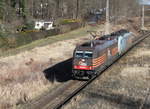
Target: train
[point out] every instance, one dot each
(90, 57)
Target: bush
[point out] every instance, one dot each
(69, 21)
(69, 27)
(14, 40)
(22, 38)
(30, 25)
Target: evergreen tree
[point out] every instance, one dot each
(13, 3)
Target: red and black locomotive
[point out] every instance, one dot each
(90, 57)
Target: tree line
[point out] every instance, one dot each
(14, 10)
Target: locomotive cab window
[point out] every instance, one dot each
(88, 55)
(79, 54)
(83, 54)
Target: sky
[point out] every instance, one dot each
(144, 2)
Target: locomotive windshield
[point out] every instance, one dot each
(83, 54)
(88, 54)
(79, 54)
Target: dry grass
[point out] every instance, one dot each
(50, 40)
(137, 72)
(16, 91)
(143, 53)
(21, 75)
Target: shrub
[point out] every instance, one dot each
(69, 21)
(30, 25)
(14, 40)
(22, 38)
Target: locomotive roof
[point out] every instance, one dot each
(103, 41)
(114, 35)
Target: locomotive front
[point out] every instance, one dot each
(82, 63)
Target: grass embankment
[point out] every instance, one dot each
(49, 40)
(28, 68)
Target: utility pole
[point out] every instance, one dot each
(77, 10)
(32, 8)
(107, 11)
(41, 5)
(143, 16)
(107, 24)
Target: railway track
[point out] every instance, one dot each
(104, 68)
(64, 94)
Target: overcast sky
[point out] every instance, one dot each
(145, 2)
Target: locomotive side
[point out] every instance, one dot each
(90, 57)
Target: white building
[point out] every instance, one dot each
(47, 25)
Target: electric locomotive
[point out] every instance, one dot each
(90, 57)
